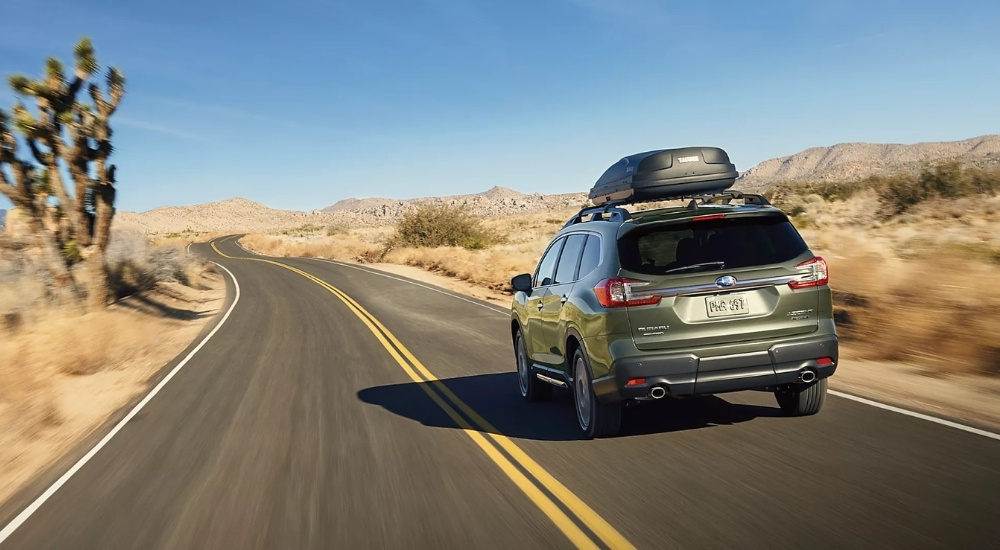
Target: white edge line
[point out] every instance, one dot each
(189, 248)
(921, 416)
(34, 506)
(248, 251)
(869, 402)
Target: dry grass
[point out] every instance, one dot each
(56, 343)
(921, 288)
(349, 246)
(939, 311)
(491, 268)
(181, 240)
(63, 371)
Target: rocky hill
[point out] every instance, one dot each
(229, 215)
(245, 215)
(498, 201)
(852, 161)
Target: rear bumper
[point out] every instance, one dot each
(687, 374)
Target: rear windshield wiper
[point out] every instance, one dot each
(693, 267)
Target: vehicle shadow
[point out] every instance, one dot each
(496, 399)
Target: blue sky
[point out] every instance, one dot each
(298, 104)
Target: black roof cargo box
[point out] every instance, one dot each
(665, 174)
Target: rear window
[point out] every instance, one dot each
(708, 245)
(591, 256)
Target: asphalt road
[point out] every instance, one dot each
(339, 408)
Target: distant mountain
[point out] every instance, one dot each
(357, 204)
(497, 201)
(852, 161)
(229, 215)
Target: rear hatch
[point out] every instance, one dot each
(721, 278)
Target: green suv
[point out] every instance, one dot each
(701, 299)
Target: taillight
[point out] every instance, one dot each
(708, 217)
(818, 275)
(617, 292)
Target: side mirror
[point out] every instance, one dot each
(521, 283)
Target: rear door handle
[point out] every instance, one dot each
(540, 305)
(564, 298)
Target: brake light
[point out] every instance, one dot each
(708, 217)
(617, 292)
(819, 275)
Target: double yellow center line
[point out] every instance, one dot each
(569, 514)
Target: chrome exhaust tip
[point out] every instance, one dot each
(658, 392)
(807, 376)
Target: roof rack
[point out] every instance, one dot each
(724, 197)
(612, 211)
(609, 211)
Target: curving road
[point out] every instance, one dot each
(336, 407)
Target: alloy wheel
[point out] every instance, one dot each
(582, 390)
(523, 373)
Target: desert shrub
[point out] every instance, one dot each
(827, 190)
(372, 255)
(984, 182)
(948, 180)
(302, 230)
(900, 193)
(976, 251)
(135, 265)
(794, 206)
(897, 193)
(24, 283)
(802, 220)
(443, 225)
(336, 229)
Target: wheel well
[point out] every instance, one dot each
(514, 327)
(571, 345)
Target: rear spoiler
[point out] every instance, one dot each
(754, 213)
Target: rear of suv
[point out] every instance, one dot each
(701, 299)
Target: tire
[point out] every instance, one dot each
(596, 419)
(802, 400)
(532, 389)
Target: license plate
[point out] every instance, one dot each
(727, 306)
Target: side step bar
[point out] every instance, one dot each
(553, 381)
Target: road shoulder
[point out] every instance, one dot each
(52, 405)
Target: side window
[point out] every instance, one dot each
(570, 258)
(591, 256)
(547, 267)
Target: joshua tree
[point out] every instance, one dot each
(72, 135)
